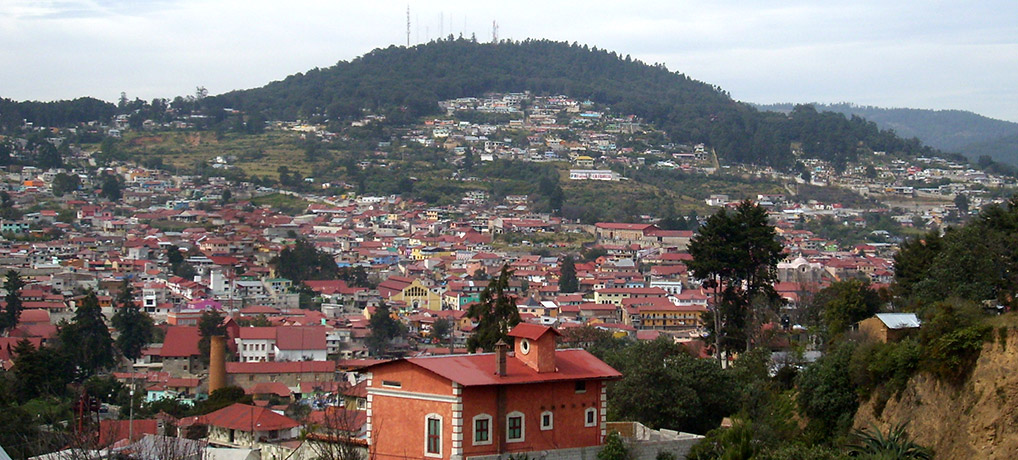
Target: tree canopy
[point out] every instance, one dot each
(736, 253)
(844, 303)
(210, 324)
(13, 304)
(403, 82)
(303, 261)
(495, 314)
(663, 386)
(92, 349)
(568, 282)
(134, 326)
(978, 261)
(383, 329)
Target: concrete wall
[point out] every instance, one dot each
(641, 450)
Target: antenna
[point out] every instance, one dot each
(408, 25)
(494, 32)
(441, 24)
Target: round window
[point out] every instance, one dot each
(524, 346)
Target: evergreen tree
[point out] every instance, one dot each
(210, 324)
(304, 261)
(736, 253)
(846, 302)
(12, 311)
(86, 339)
(383, 330)
(110, 188)
(495, 314)
(568, 282)
(37, 372)
(134, 325)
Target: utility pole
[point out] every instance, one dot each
(130, 423)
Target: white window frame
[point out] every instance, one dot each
(440, 426)
(473, 430)
(523, 427)
(587, 417)
(551, 420)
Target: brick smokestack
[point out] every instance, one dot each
(217, 363)
(501, 350)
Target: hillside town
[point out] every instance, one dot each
(194, 246)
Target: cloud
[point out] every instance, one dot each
(922, 54)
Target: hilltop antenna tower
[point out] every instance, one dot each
(494, 32)
(408, 25)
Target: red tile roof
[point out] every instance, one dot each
(258, 333)
(281, 367)
(623, 226)
(111, 431)
(265, 388)
(248, 418)
(180, 342)
(300, 338)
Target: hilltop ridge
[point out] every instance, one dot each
(409, 82)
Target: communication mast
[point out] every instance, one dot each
(408, 25)
(494, 32)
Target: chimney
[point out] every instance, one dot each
(217, 363)
(501, 350)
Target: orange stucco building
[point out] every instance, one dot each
(535, 398)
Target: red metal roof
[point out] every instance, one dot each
(479, 369)
(531, 331)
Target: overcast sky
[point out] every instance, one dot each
(922, 54)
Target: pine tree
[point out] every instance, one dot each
(210, 324)
(12, 311)
(568, 283)
(495, 314)
(86, 339)
(135, 326)
(733, 250)
(383, 329)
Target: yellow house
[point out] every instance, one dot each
(662, 314)
(418, 296)
(429, 252)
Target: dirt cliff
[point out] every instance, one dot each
(979, 419)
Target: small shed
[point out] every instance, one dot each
(889, 327)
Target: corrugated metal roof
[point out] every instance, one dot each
(479, 369)
(899, 320)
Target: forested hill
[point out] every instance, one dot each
(949, 130)
(58, 113)
(414, 79)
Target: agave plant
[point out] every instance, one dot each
(896, 445)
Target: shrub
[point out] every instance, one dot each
(614, 448)
(952, 356)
